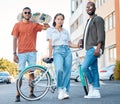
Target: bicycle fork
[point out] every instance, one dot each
(82, 77)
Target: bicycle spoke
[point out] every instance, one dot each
(34, 78)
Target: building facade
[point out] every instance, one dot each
(110, 11)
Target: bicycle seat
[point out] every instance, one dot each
(47, 60)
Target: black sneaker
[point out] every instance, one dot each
(32, 96)
(17, 99)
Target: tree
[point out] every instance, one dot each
(6, 65)
(117, 70)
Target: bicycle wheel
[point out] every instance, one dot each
(40, 83)
(84, 80)
(86, 88)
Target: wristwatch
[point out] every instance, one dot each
(14, 53)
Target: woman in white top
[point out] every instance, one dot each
(59, 43)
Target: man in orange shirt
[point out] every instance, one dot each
(24, 43)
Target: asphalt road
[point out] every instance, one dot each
(110, 92)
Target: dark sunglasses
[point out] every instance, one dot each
(27, 12)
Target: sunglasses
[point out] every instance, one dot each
(27, 12)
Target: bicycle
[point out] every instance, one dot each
(43, 80)
(81, 76)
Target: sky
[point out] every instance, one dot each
(9, 9)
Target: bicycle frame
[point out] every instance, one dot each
(31, 70)
(42, 80)
(83, 80)
(46, 69)
(81, 74)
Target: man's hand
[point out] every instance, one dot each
(97, 52)
(15, 58)
(80, 43)
(45, 26)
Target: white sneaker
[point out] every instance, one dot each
(90, 90)
(94, 94)
(60, 94)
(66, 96)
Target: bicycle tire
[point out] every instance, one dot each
(86, 87)
(41, 82)
(84, 80)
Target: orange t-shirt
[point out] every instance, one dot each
(26, 34)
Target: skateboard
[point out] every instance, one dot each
(37, 18)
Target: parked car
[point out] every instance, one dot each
(5, 77)
(107, 73)
(75, 75)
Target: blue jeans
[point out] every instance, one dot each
(26, 58)
(90, 68)
(63, 63)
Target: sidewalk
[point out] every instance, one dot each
(114, 81)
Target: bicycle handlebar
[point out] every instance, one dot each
(76, 50)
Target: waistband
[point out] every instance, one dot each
(61, 46)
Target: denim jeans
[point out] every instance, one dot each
(90, 68)
(63, 63)
(26, 58)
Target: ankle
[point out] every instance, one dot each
(17, 95)
(60, 89)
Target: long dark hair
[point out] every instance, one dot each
(58, 14)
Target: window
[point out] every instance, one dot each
(72, 6)
(112, 54)
(106, 24)
(97, 3)
(100, 3)
(72, 28)
(110, 21)
(103, 1)
(76, 24)
(113, 19)
(76, 5)
(80, 1)
(80, 20)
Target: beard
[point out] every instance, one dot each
(92, 13)
(27, 19)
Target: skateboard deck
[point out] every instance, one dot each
(37, 17)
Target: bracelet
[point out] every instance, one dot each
(14, 53)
